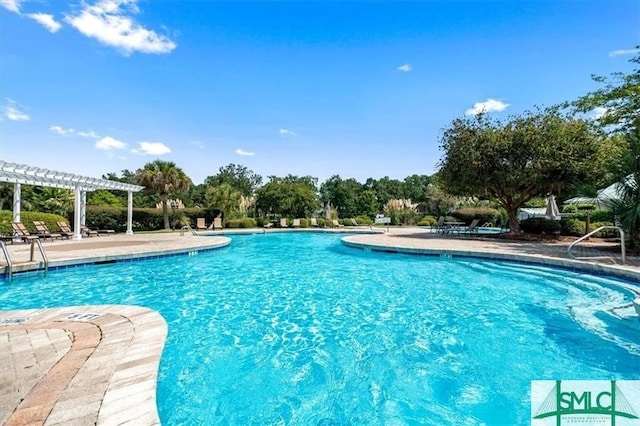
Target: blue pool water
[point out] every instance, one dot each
(298, 329)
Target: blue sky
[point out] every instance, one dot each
(356, 88)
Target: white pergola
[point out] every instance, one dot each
(21, 174)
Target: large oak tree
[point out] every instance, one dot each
(528, 156)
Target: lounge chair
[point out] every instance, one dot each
(283, 222)
(439, 226)
(65, 230)
(85, 231)
(472, 229)
(337, 224)
(296, 223)
(200, 224)
(268, 225)
(43, 231)
(217, 223)
(314, 222)
(353, 222)
(20, 231)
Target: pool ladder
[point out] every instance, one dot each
(188, 228)
(622, 247)
(34, 242)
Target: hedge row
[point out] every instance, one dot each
(27, 218)
(483, 214)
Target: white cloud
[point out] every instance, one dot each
(404, 68)
(623, 52)
(62, 132)
(109, 143)
(598, 112)
(12, 5)
(12, 111)
(89, 134)
(152, 148)
(198, 144)
(108, 21)
(46, 21)
(490, 105)
(242, 152)
(286, 132)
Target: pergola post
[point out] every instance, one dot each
(17, 200)
(129, 213)
(77, 226)
(83, 209)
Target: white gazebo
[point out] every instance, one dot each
(21, 174)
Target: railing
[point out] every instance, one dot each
(622, 248)
(42, 253)
(3, 246)
(186, 228)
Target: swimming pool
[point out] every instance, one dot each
(299, 329)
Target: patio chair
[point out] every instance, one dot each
(65, 230)
(353, 222)
(43, 230)
(283, 222)
(337, 224)
(314, 222)
(20, 231)
(200, 224)
(217, 223)
(296, 223)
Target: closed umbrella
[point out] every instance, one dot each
(552, 211)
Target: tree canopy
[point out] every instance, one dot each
(618, 102)
(528, 156)
(238, 177)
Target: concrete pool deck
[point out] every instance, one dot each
(99, 364)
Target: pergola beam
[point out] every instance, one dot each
(22, 174)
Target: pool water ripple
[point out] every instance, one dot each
(301, 330)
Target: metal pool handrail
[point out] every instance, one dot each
(8, 259)
(622, 248)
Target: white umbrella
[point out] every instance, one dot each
(552, 211)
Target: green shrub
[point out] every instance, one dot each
(322, 222)
(27, 218)
(605, 233)
(572, 226)
(540, 225)
(428, 220)
(364, 220)
(305, 223)
(483, 214)
(245, 222)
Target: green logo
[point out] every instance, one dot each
(586, 402)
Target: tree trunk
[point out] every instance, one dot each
(514, 225)
(165, 214)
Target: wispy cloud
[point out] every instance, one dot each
(623, 52)
(197, 144)
(61, 131)
(89, 134)
(404, 68)
(12, 5)
(46, 20)
(242, 152)
(286, 132)
(490, 105)
(108, 143)
(152, 148)
(110, 22)
(12, 111)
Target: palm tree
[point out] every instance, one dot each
(164, 180)
(627, 207)
(224, 198)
